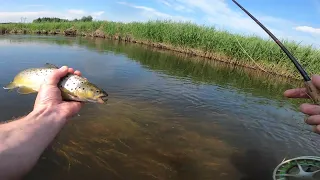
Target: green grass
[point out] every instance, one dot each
(204, 40)
(242, 80)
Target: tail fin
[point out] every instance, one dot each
(10, 86)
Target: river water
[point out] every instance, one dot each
(169, 116)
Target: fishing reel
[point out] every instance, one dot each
(303, 167)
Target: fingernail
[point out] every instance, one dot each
(64, 68)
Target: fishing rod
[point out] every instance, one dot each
(313, 92)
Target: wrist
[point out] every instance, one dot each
(27, 137)
(48, 113)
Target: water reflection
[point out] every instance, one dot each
(254, 164)
(169, 116)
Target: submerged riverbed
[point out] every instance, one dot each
(169, 116)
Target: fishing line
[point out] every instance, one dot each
(249, 55)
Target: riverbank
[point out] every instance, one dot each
(249, 51)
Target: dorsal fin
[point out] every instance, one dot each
(48, 65)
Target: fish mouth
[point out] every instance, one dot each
(102, 99)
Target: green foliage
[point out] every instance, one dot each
(55, 19)
(49, 19)
(199, 70)
(86, 19)
(203, 38)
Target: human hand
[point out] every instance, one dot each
(29, 136)
(309, 109)
(49, 95)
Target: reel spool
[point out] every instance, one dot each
(304, 167)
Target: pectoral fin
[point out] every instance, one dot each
(68, 96)
(51, 65)
(25, 90)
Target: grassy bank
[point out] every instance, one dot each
(188, 38)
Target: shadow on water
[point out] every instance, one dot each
(170, 116)
(254, 164)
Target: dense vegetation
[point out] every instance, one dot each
(203, 41)
(199, 70)
(54, 19)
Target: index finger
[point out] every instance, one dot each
(296, 93)
(316, 80)
(77, 72)
(55, 76)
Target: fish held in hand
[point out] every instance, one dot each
(73, 87)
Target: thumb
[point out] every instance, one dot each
(55, 76)
(316, 81)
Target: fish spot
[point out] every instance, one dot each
(83, 88)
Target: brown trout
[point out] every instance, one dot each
(73, 87)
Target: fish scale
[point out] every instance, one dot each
(73, 87)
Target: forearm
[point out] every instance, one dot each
(23, 141)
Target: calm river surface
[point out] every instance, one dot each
(169, 116)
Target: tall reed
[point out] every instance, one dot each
(203, 40)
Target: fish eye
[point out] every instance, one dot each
(97, 91)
